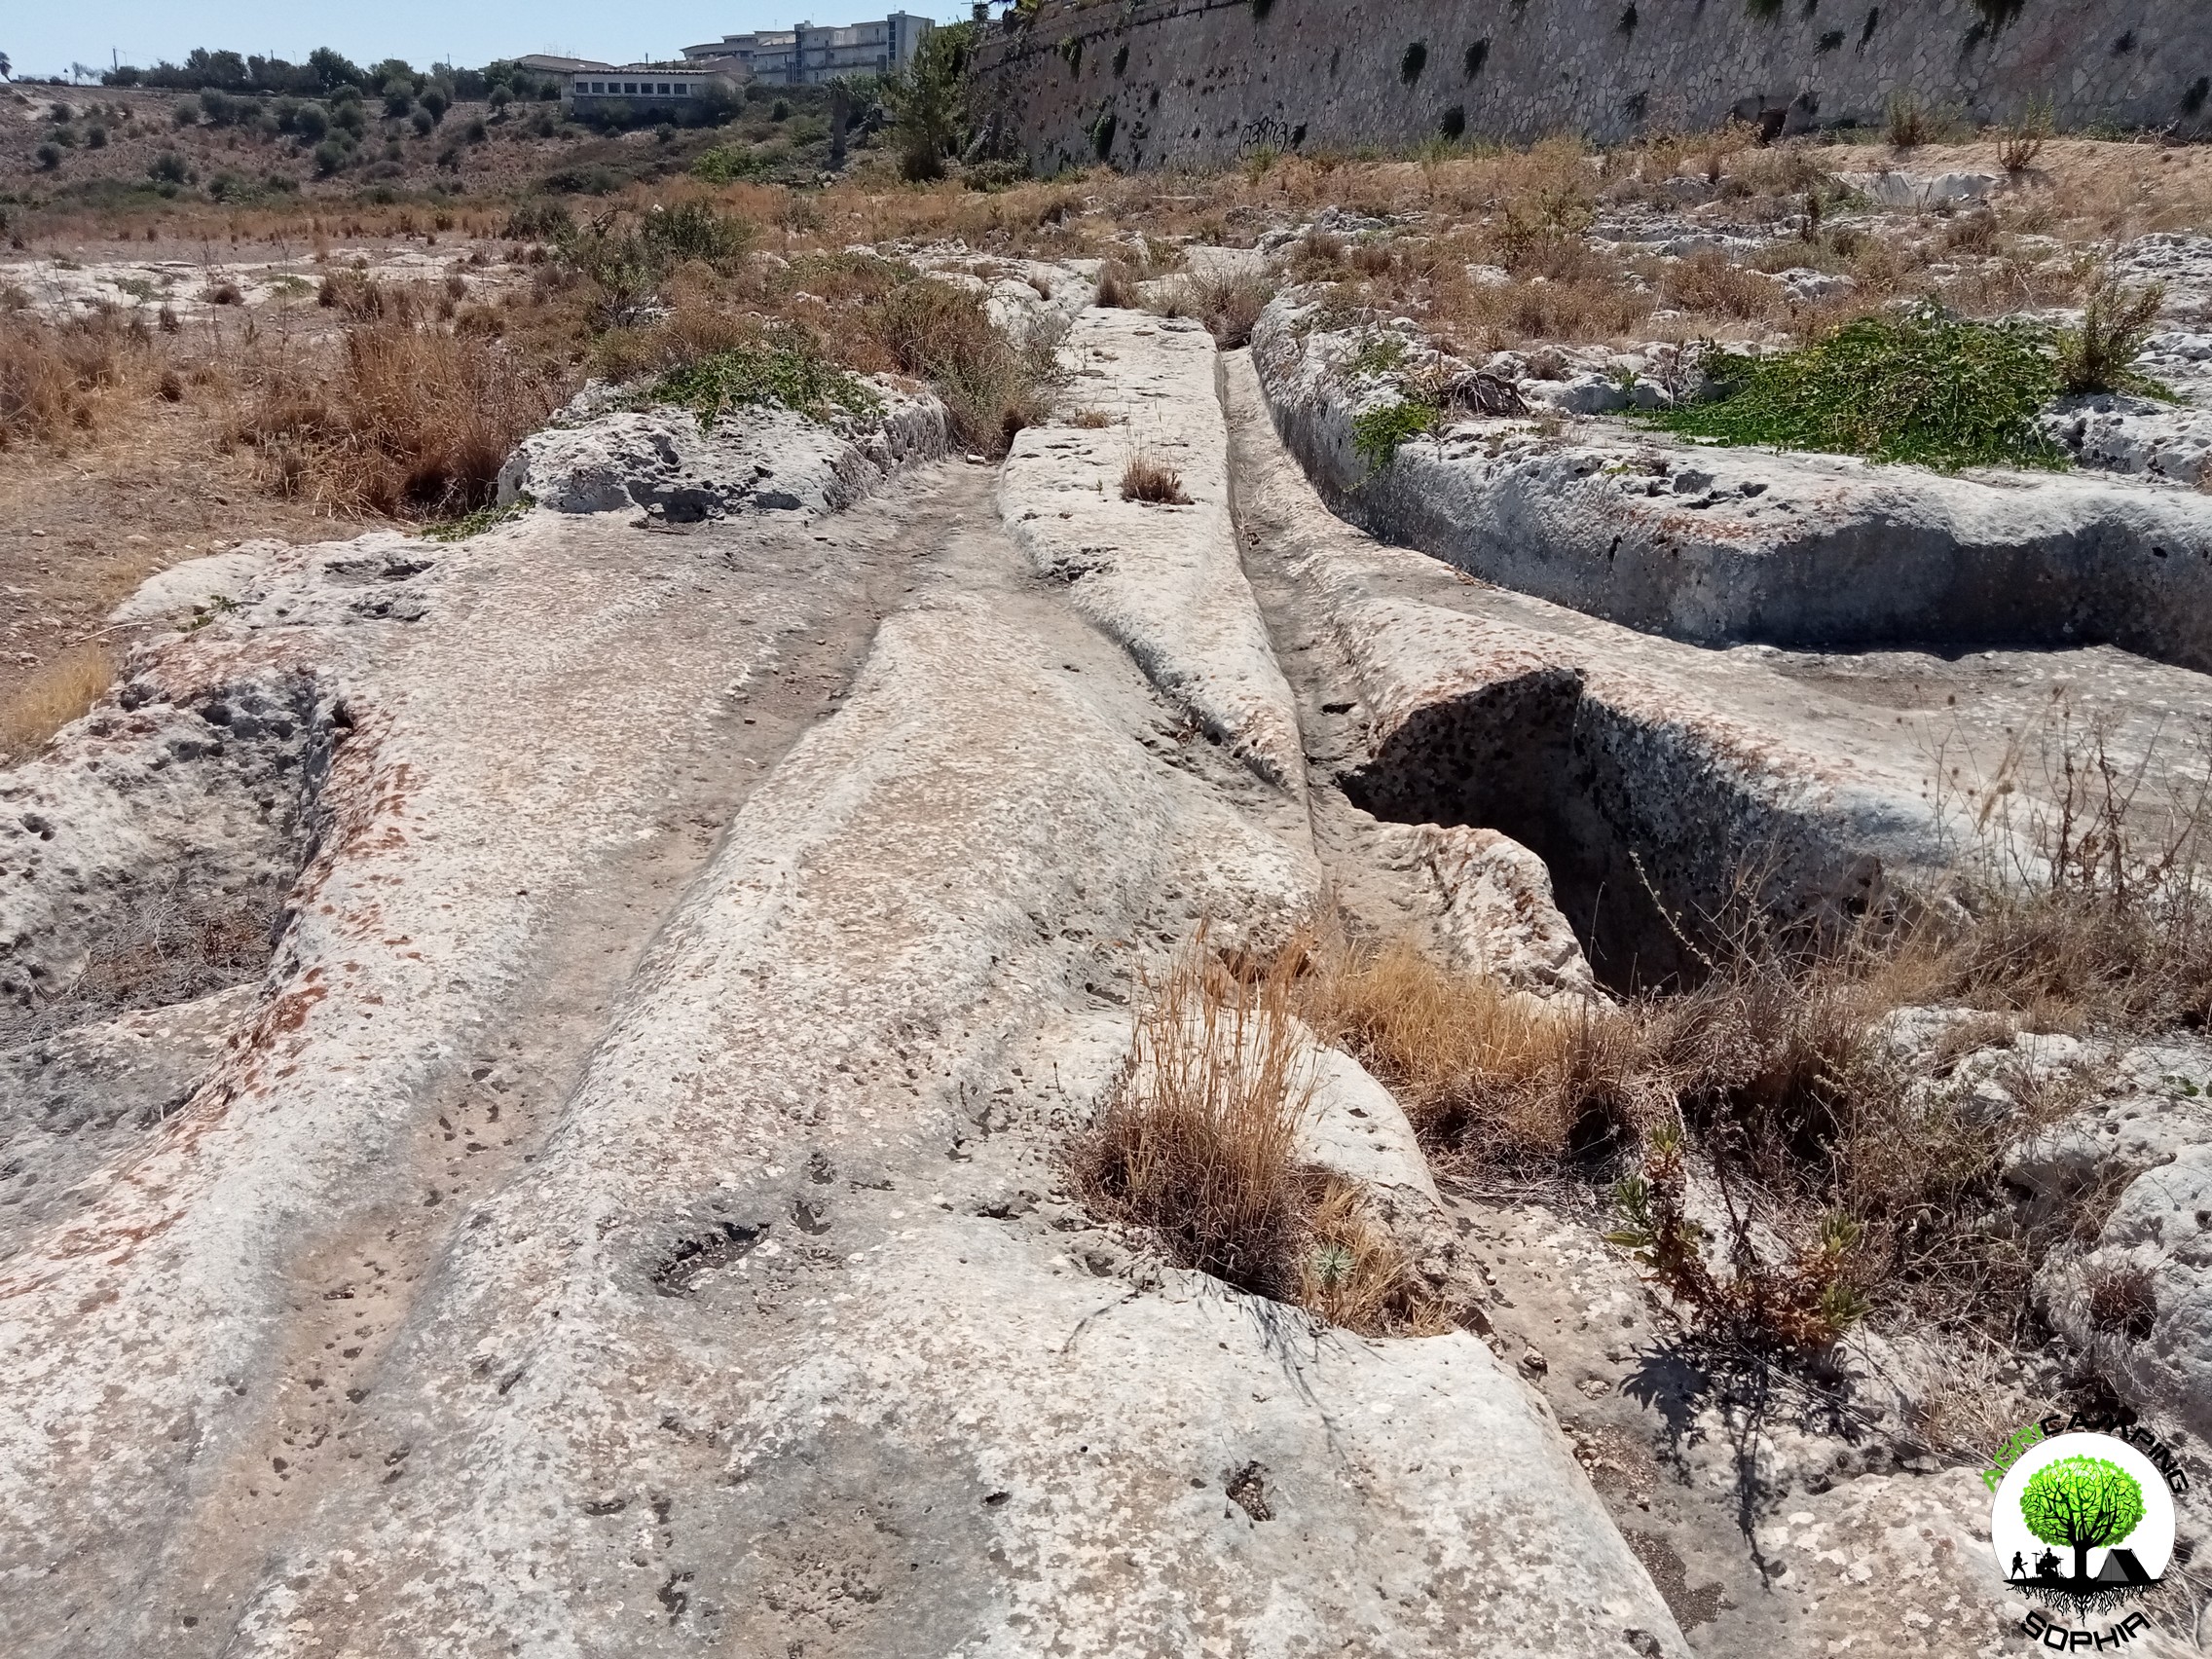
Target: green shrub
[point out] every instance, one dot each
(693, 230)
(169, 168)
(727, 164)
(329, 157)
(1923, 387)
(1415, 60)
(1376, 434)
(928, 102)
(484, 518)
(787, 370)
(421, 122)
(2100, 355)
(49, 157)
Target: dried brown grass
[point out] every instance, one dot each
(1198, 1148)
(1148, 478)
(1199, 1145)
(413, 421)
(56, 378)
(65, 686)
(1489, 1076)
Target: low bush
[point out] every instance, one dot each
(413, 422)
(784, 368)
(992, 387)
(1924, 387)
(1378, 432)
(2100, 355)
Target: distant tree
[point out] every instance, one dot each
(224, 69)
(394, 72)
(437, 100)
(6, 68)
(2082, 1504)
(332, 71)
(928, 100)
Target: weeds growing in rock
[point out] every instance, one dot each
(1198, 1148)
(1148, 478)
(781, 368)
(2100, 355)
(1804, 1299)
(1923, 387)
(1378, 432)
(474, 523)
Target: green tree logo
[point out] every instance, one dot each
(2082, 1504)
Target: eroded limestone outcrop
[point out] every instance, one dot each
(605, 1231)
(1720, 546)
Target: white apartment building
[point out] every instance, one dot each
(807, 54)
(594, 86)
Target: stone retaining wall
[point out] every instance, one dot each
(1207, 81)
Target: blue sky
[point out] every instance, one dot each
(46, 39)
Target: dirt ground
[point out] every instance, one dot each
(79, 533)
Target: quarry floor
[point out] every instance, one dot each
(1690, 1468)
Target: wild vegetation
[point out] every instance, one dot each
(1198, 1149)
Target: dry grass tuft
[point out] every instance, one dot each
(1198, 1148)
(2121, 1298)
(1487, 1075)
(1229, 305)
(55, 377)
(1117, 287)
(65, 688)
(1199, 1144)
(415, 422)
(1356, 1274)
(1709, 283)
(1091, 420)
(993, 387)
(1148, 478)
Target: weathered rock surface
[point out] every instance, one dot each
(588, 1243)
(1647, 775)
(1495, 911)
(1162, 578)
(1721, 545)
(681, 470)
(2141, 1300)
